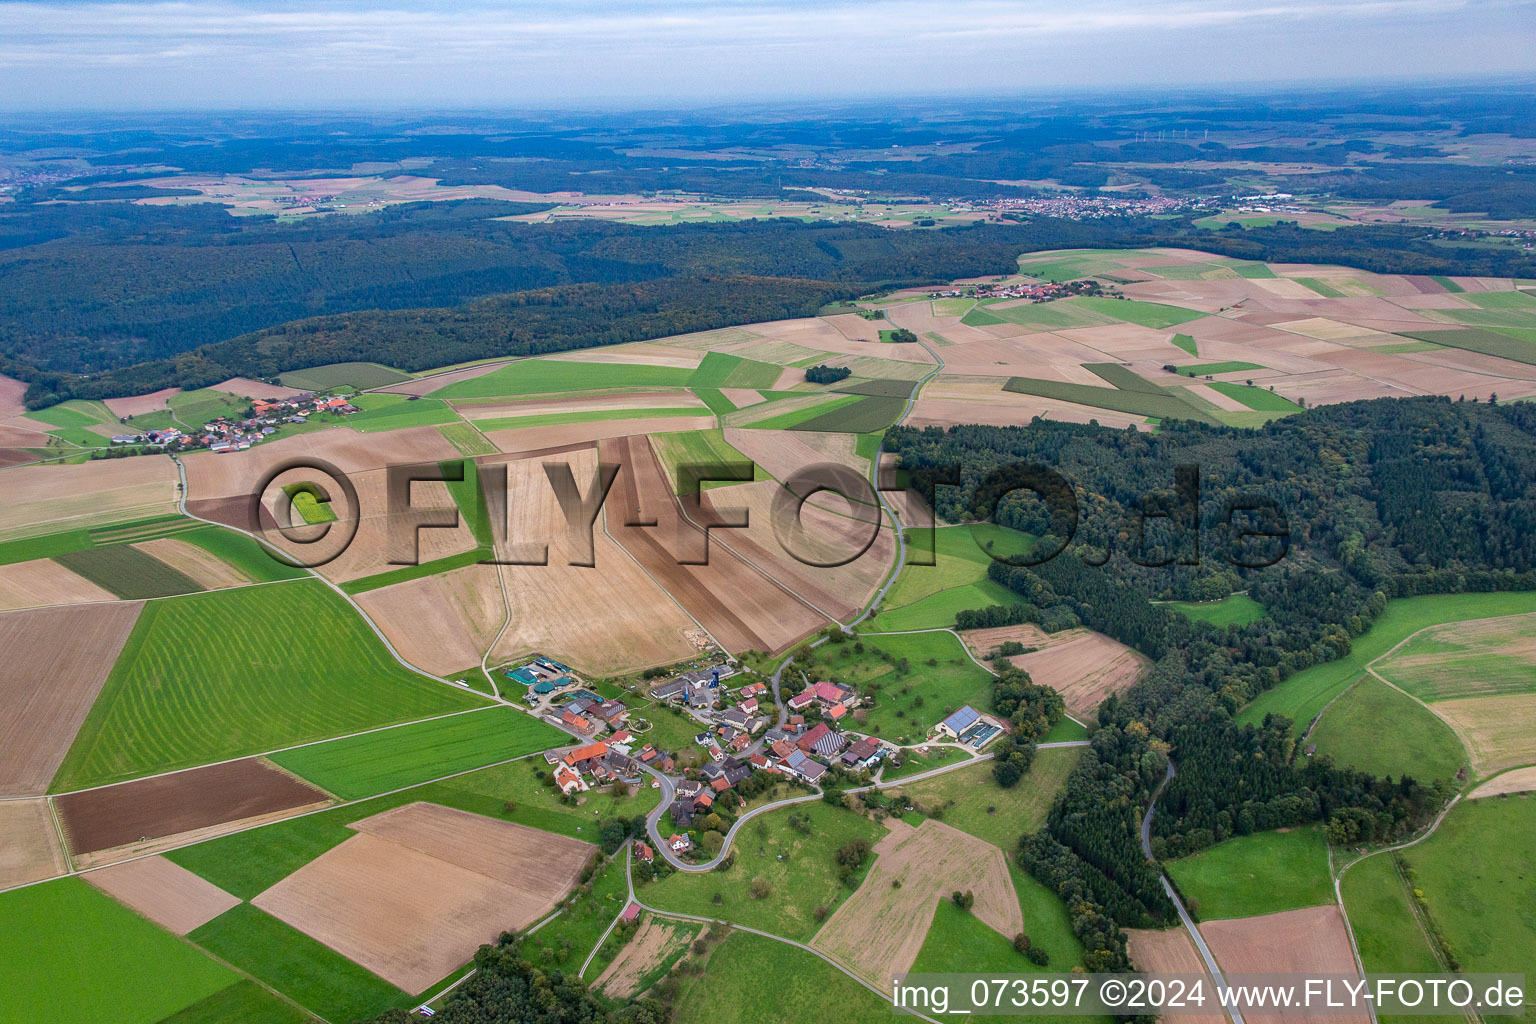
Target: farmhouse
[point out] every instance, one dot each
(643, 851)
(753, 690)
(798, 764)
(958, 722)
(863, 754)
(586, 759)
(802, 700)
(680, 843)
(568, 781)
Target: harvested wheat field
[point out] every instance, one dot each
(495, 409)
(421, 887)
(154, 809)
(442, 623)
(42, 583)
(1168, 952)
(47, 499)
(1521, 780)
(29, 844)
(1309, 941)
(528, 439)
(603, 619)
(205, 567)
(879, 930)
(655, 942)
(166, 893)
(138, 405)
(436, 382)
(11, 393)
(781, 452)
(247, 388)
(1498, 732)
(56, 661)
(983, 641)
(740, 607)
(1084, 667)
(743, 397)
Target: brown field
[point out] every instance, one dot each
(527, 439)
(128, 813)
(500, 408)
(1521, 780)
(605, 619)
(166, 893)
(635, 355)
(56, 660)
(43, 582)
(1168, 952)
(138, 405)
(247, 388)
(982, 641)
(1310, 941)
(421, 887)
(203, 566)
(1084, 668)
(833, 530)
(428, 385)
(11, 392)
(1499, 732)
(742, 609)
(47, 499)
(879, 930)
(743, 397)
(651, 945)
(854, 327)
(781, 452)
(817, 335)
(441, 623)
(29, 844)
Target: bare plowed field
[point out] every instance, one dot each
(46, 499)
(880, 929)
(1310, 941)
(427, 385)
(29, 844)
(1499, 732)
(43, 582)
(138, 405)
(167, 805)
(397, 907)
(1168, 952)
(739, 606)
(781, 452)
(1084, 670)
(442, 623)
(652, 945)
(166, 893)
(11, 393)
(248, 388)
(525, 439)
(55, 662)
(203, 566)
(1521, 780)
(604, 619)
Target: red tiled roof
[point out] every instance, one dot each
(808, 741)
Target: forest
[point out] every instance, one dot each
(1380, 499)
(111, 299)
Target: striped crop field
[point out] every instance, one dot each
(228, 673)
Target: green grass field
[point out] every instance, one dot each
(537, 376)
(959, 942)
(75, 414)
(1045, 316)
(69, 952)
(938, 611)
(407, 573)
(1167, 405)
(235, 672)
(700, 447)
(969, 799)
(1234, 609)
(1303, 695)
(394, 412)
(789, 420)
(1475, 873)
(1258, 874)
(128, 572)
(194, 408)
(1488, 342)
(1123, 377)
(716, 400)
(245, 1002)
(1376, 729)
(1186, 343)
(1445, 662)
(466, 439)
(914, 764)
(302, 969)
(1255, 398)
(377, 762)
(748, 973)
(864, 415)
(555, 419)
(805, 878)
(1321, 287)
(723, 370)
(1156, 315)
(960, 561)
(243, 553)
(907, 705)
(582, 922)
(358, 376)
(1230, 366)
(879, 388)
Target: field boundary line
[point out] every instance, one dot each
(58, 830)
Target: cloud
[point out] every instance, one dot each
(275, 53)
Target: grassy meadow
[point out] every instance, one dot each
(1258, 874)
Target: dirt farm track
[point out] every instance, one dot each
(112, 816)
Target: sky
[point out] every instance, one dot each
(254, 54)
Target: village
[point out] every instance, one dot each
(1041, 291)
(749, 744)
(222, 435)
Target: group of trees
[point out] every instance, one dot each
(1378, 499)
(821, 373)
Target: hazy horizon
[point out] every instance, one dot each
(258, 55)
